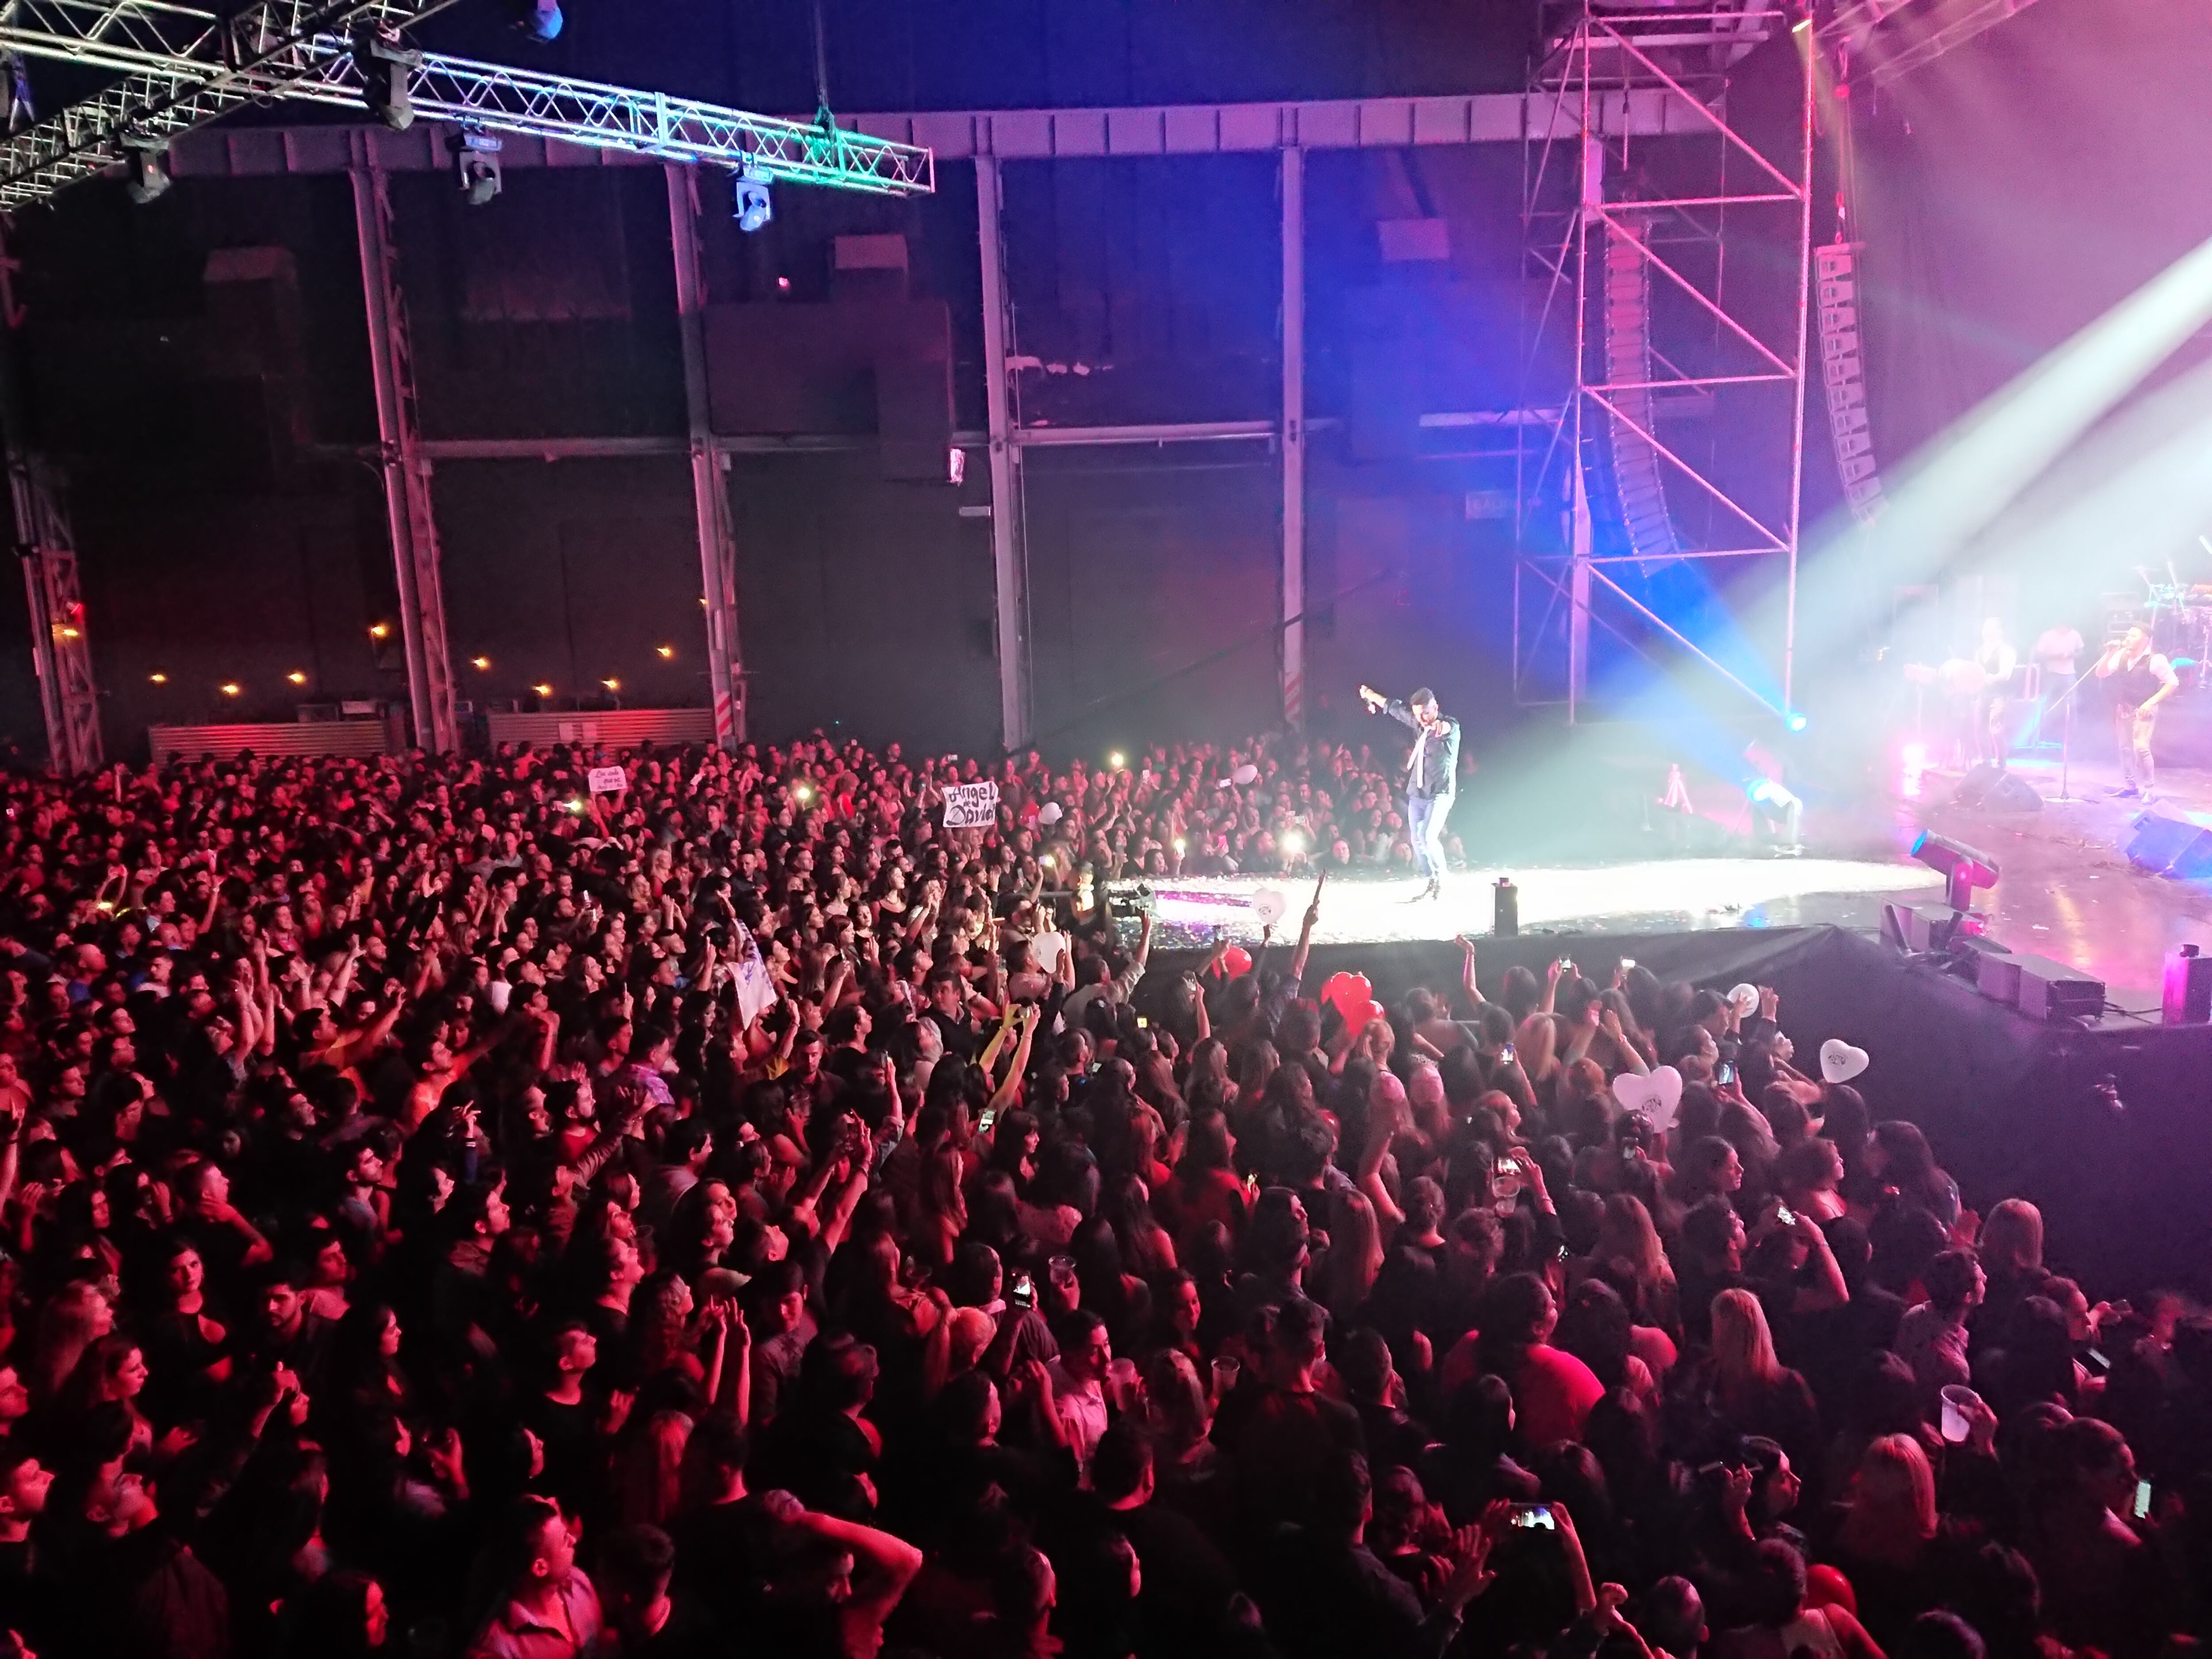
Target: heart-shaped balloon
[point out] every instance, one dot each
(1049, 813)
(1235, 961)
(1269, 906)
(1745, 998)
(1840, 1062)
(1353, 994)
(1655, 1095)
(1245, 775)
(1373, 1012)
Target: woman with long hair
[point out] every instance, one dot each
(1205, 1188)
(940, 1207)
(1347, 1274)
(1809, 1177)
(1754, 1391)
(1888, 1543)
(1628, 1242)
(72, 1320)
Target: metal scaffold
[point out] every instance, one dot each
(1676, 364)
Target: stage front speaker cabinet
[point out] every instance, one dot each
(1505, 909)
(1996, 790)
(2052, 990)
(2172, 847)
(2188, 987)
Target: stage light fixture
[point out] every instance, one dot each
(543, 691)
(664, 652)
(479, 662)
(158, 678)
(385, 66)
(147, 167)
(611, 683)
(1796, 722)
(476, 159)
(749, 203)
(1962, 867)
(540, 20)
(296, 677)
(230, 688)
(379, 630)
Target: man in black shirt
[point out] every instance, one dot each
(1432, 777)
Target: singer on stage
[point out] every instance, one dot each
(1432, 776)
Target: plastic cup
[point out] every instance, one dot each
(1957, 1401)
(1224, 1375)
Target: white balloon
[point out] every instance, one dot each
(1049, 813)
(1655, 1095)
(1269, 906)
(1745, 999)
(1246, 774)
(1840, 1062)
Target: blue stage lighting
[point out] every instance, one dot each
(1796, 722)
(749, 204)
(540, 20)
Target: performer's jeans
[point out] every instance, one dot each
(1425, 827)
(2133, 727)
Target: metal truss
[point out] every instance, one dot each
(59, 648)
(1597, 201)
(181, 66)
(184, 66)
(1891, 38)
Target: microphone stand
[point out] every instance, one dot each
(2066, 739)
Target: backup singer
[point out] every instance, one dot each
(1432, 776)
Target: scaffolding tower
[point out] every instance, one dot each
(1669, 297)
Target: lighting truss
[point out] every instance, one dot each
(181, 67)
(184, 66)
(1896, 37)
(602, 117)
(1589, 209)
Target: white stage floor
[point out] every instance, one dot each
(1657, 896)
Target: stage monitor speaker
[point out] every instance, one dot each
(2171, 847)
(2188, 987)
(1505, 909)
(1996, 790)
(2057, 990)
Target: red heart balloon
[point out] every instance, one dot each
(1374, 1011)
(1235, 961)
(1352, 996)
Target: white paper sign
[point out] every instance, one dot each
(607, 780)
(749, 975)
(970, 806)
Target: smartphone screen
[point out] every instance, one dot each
(1783, 1214)
(2141, 1508)
(1535, 1514)
(1724, 1073)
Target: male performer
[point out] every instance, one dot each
(1997, 658)
(1432, 776)
(2142, 680)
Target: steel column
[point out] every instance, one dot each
(406, 473)
(1007, 551)
(710, 497)
(1294, 436)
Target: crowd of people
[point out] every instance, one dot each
(448, 1212)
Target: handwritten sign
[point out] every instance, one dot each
(607, 780)
(970, 806)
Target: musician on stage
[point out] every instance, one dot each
(1997, 658)
(1432, 776)
(2142, 680)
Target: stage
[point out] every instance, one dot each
(2066, 889)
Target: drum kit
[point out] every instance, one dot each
(2179, 616)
